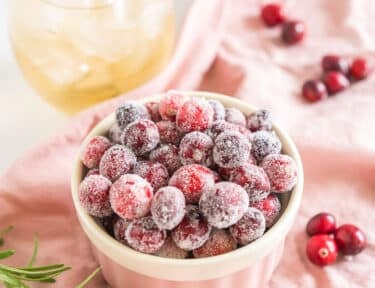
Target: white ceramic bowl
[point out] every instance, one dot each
(252, 264)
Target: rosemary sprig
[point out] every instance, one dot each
(89, 278)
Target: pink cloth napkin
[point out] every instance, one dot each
(225, 48)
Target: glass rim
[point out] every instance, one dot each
(81, 5)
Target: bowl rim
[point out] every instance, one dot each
(281, 227)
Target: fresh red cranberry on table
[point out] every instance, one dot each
(335, 82)
(350, 239)
(272, 14)
(314, 90)
(335, 63)
(360, 69)
(322, 223)
(321, 250)
(293, 32)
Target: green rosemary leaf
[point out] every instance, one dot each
(6, 253)
(35, 252)
(32, 273)
(8, 279)
(41, 268)
(89, 278)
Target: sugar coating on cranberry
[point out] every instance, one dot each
(153, 109)
(225, 173)
(270, 207)
(196, 147)
(171, 250)
(219, 127)
(219, 242)
(224, 204)
(194, 115)
(119, 229)
(253, 179)
(168, 207)
(144, 235)
(94, 150)
(154, 172)
(321, 250)
(219, 110)
(272, 14)
(281, 171)
(259, 120)
(93, 171)
(250, 227)
(169, 134)
(235, 116)
(192, 180)
(231, 149)
(131, 196)
(350, 239)
(116, 161)
(114, 133)
(141, 136)
(93, 193)
(264, 143)
(168, 156)
(130, 112)
(170, 104)
(193, 231)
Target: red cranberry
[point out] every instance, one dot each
(193, 231)
(350, 239)
(153, 110)
(235, 116)
(219, 127)
(272, 14)
(360, 69)
(225, 173)
(335, 63)
(194, 115)
(192, 180)
(119, 229)
(259, 120)
(168, 132)
(224, 204)
(171, 250)
(154, 172)
(94, 150)
(314, 90)
(322, 223)
(144, 235)
(335, 82)
(196, 148)
(170, 104)
(220, 242)
(321, 250)
(130, 112)
(130, 196)
(168, 156)
(270, 207)
(293, 32)
(264, 143)
(219, 110)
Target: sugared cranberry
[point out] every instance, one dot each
(116, 161)
(235, 116)
(272, 14)
(322, 223)
(170, 104)
(144, 235)
(270, 207)
(130, 196)
(219, 127)
(219, 110)
(119, 229)
(250, 227)
(171, 250)
(168, 156)
(350, 239)
(259, 120)
(216, 175)
(153, 110)
(141, 136)
(154, 172)
(130, 112)
(94, 150)
(293, 32)
(219, 242)
(225, 173)
(93, 195)
(114, 133)
(360, 69)
(335, 82)
(281, 171)
(314, 90)
(194, 115)
(168, 132)
(264, 143)
(321, 250)
(168, 207)
(193, 231)
(196, 148)
(94, 171)
(223, 204)
(335, 63)
(253, 179)
(231, 149)
(192, 180)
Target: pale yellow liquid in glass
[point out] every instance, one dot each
(75, 57)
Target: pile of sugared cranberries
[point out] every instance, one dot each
(292, 31)
(338, 74)
(186, 177)
(327, 240)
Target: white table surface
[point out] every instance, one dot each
(24, 118)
